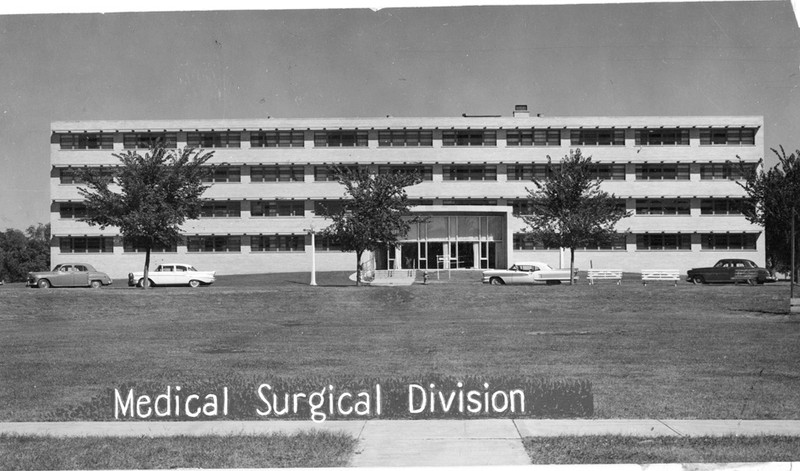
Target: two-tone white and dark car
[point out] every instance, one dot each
(173, 274)
(532, 273)
(68, 275)
(730, 270)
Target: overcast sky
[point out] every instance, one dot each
(721, 58)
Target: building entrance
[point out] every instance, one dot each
(448, 242)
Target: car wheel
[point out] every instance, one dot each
(96, 284)
(194, 283)
(698, 280)
(140, 284)
(44, 284)
(496, 281)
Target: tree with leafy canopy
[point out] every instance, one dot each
(375, 214)
(568, 209)
(775, 197)
(23, 252)
(148, 196)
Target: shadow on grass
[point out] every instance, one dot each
(781, 313)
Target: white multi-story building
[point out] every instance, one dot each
(271, 179)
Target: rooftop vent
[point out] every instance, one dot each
(521, 111)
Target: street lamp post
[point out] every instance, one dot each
(313, 257)
(793, 277)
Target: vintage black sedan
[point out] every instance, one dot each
(730, 270)
(68, 275)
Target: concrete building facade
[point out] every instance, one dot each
(271, 181)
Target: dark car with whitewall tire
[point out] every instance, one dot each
(68, 275)
(730, 270)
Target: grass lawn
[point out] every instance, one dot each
(658, 351)
(618, 449)
(308, 449)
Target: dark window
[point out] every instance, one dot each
(469, 172)
(90, 140)
(719, 206)
(72, 210)
(327, 207)
(597, 137)
(618, 242)
(663, 241)
(662, 137)
(72, 175)
(521, 207)
(733, 241)
(325, 244)
(662, 207)
(277, 173)
(277, 139)
(523, 241)
(129, 246)
(424, 171)
(221, 209)
(146, 140)
(533, 137)
(528, 172)
(662, 172)
(340, 139)
(278, 243)
(212, 139)
(86, 244)
(326, 173)
(469, 138)
(607, 171)
(405, 138)
(214, 244)
(469, 201)
(277, 208)
(725, 171)
(728, 137)
(223, 174)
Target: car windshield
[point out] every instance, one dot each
(528, 267)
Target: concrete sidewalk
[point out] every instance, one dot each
(424, 442)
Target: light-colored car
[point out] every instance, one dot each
(528, 273)
(68, 275)
(168, 274)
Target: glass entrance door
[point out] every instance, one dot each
(462, 254)
(436, 258)
(409, 255)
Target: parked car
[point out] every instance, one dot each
(173, 274)
(528, 273)
(730, 270)
(68, 275)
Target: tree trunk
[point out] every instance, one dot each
(571, 265)
(358, 268)
(146, 283)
